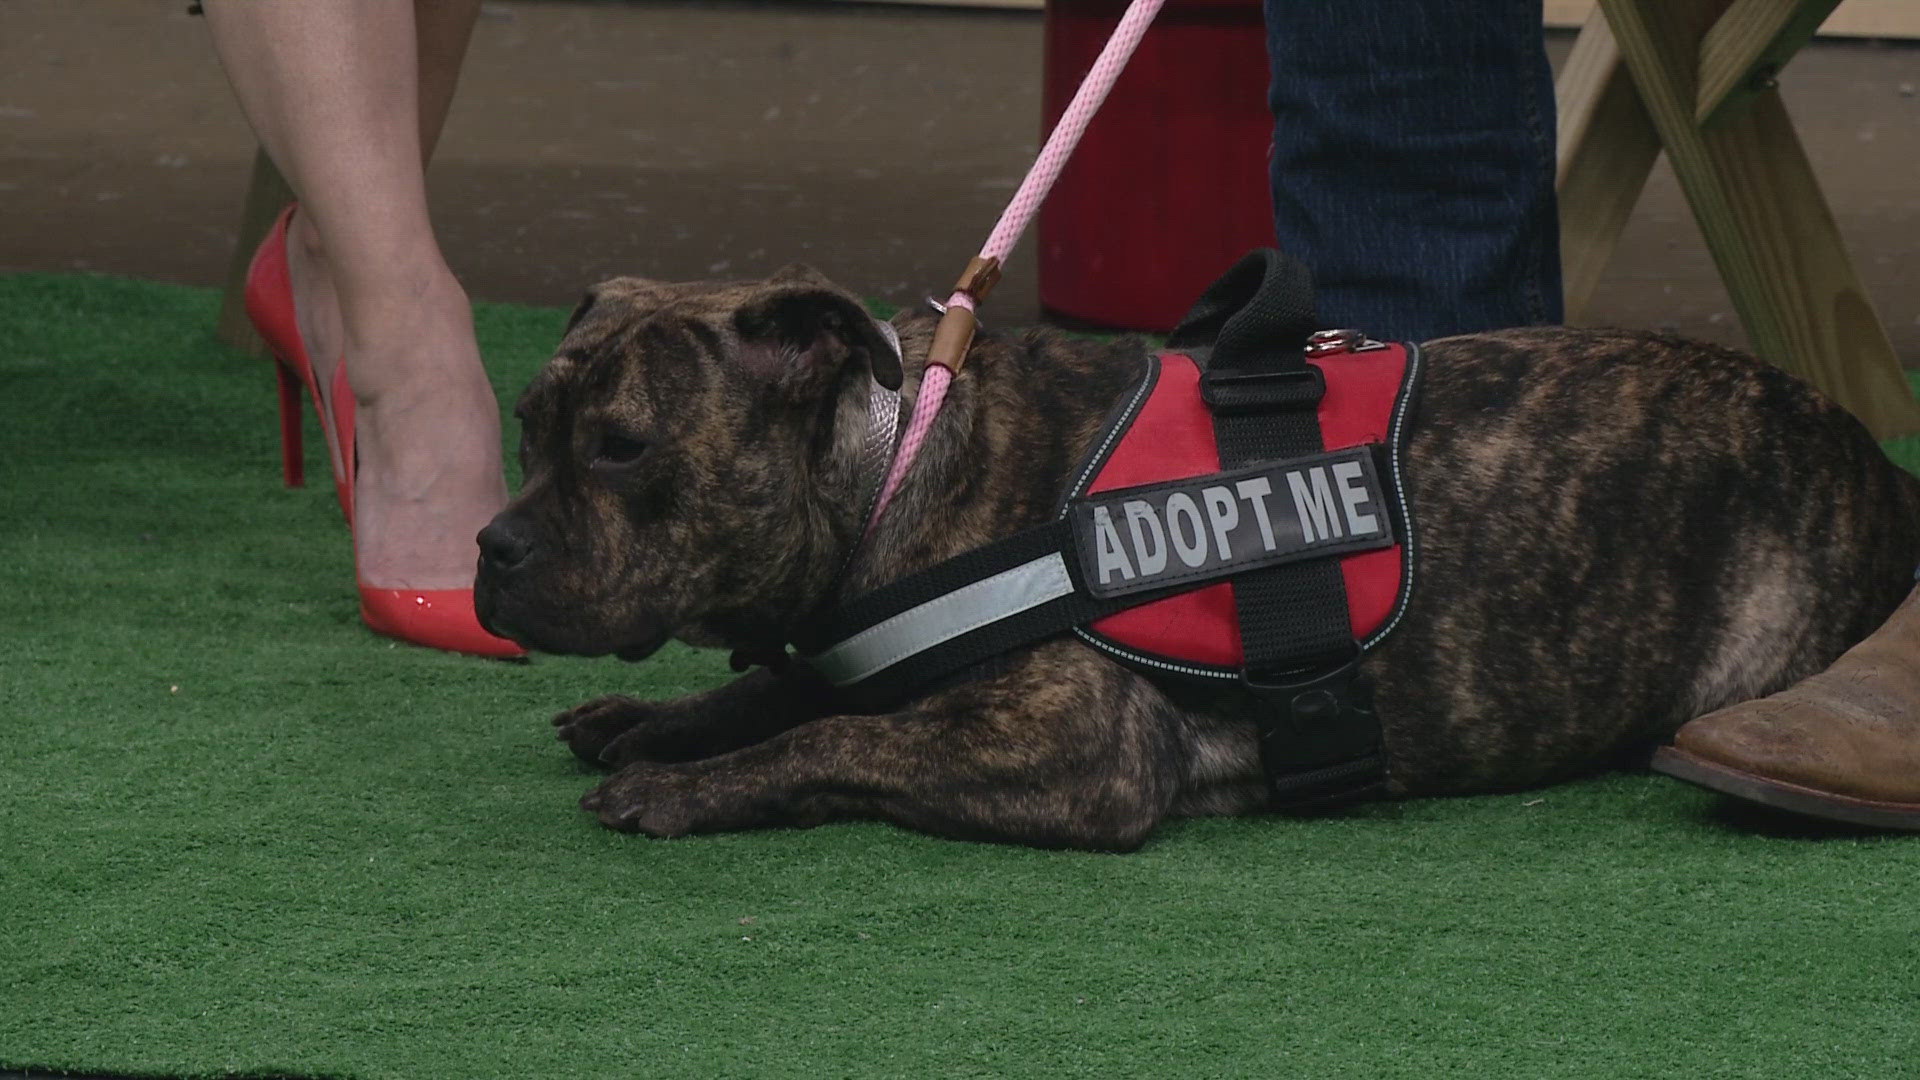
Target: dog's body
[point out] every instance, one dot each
(1619, 532)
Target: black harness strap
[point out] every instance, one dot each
(823, 645)
(1264, 396)
(1037, 553)
(1320, 744)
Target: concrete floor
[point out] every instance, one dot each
(695, 139)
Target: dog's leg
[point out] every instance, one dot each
(1058, 748)
(617, 730)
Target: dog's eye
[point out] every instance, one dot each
(618, 448)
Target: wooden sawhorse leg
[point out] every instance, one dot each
(1694, 77)
(267, 192)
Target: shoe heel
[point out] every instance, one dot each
(293, 460)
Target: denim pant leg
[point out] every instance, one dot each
(1413, 161)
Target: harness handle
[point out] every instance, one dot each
(1256, 315)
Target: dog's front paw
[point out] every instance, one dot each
(590, 728)
(658, 800)
(615, 731)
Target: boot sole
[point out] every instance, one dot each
(1781, 795)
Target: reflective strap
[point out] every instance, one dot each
(943, 618)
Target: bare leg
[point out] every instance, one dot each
(348, 96)
(442, 29)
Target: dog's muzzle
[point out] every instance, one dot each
(505, 546)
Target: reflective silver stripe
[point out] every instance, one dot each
(893, 336)
(942, 619)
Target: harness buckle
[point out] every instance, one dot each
(1320, 742)
(1240, 391)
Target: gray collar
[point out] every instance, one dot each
(885, 414)
(883, 431)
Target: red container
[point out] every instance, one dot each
(1169, 185)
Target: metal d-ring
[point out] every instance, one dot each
(942, 309)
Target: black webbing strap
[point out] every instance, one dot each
(915, 672)
(940, 579)
(1320, 745)
(1264, 395)
(1264, 303)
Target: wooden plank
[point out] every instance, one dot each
(1874, 18)
(1607, 146)
(267, 192)
(1853, 18)
(1569, 14)
(1765, 220)
(1748, 45)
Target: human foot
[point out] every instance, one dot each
(427, 473)
(1842, 745)
(428, 446)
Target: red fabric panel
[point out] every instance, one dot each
(1172, 438)
(1358, 409)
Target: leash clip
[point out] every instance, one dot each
(1330, 342)
(954, 335)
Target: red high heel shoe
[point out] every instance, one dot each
(436, 618)
(269, 299)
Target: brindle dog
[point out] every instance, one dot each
(1620, 531)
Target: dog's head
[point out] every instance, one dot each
(693, 467)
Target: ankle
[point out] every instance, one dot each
(416, 343)
(316, 307)
(303, 239)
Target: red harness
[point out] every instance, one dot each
(1153, 532)
(1248, 522)
(1171, 437)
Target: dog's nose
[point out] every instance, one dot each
(502, 546)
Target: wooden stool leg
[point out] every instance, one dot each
(1607, 146)
(1765, 220)
(1748, 45)
(267, 192)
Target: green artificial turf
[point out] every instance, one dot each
(241, 835)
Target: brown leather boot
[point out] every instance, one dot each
(1843, 745)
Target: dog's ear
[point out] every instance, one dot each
(802, 331)
(634, 297)
(800, 274)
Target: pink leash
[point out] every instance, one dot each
(957, 323)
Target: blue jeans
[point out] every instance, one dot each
(1412, 162)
